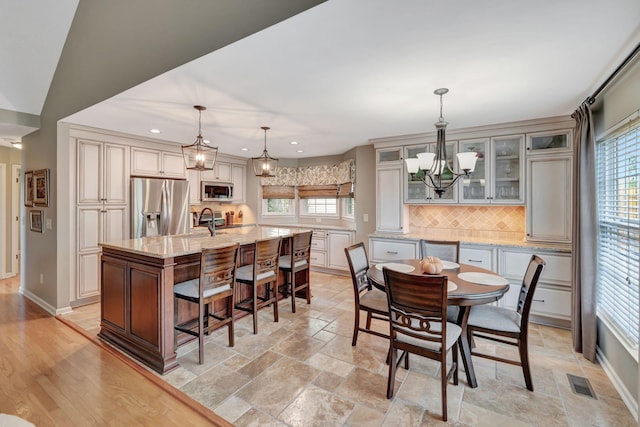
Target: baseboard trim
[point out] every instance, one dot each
(42, 303)
(215, 419)
(627, 398)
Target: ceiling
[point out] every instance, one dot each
(343, 72)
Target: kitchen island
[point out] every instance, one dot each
(137, 279)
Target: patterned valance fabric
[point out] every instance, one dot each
(284, 176)
(312, 181)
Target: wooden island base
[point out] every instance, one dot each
(137, 304)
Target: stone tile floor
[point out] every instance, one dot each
(303, 371)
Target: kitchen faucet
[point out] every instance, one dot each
(212, 222)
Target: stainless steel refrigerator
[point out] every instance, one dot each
(159, 207)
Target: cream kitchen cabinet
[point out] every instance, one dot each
(238, 173)
(193, 176)
(549, 198)
(552, 298)
(163, 164)
(96, 224)
(499, 174)
(103, 173)
(337, 241)
(383, 249)
(221, 172)
(318, 257)
(391, 214)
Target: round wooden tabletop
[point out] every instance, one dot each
(466, 293)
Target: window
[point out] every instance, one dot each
(348, 207)
(275, 207)
(320, 207)
(617, 176)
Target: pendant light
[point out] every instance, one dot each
(265, 165)
(199, 156)
(435, 165)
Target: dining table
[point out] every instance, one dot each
(468, 285)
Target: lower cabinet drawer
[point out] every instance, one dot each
(552, 302)
(382, 250)
(318, 258)
(319, 244)
(478, 257)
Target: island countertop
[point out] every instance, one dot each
(186, 244)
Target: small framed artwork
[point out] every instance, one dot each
(28, 188)
(36, 217)
(41, 187)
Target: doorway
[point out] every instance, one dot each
(15, 218)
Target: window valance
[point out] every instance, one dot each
(312, 181)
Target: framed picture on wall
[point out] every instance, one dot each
(36, 217)
(41, 187)
(28, 188)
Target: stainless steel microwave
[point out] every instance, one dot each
(216, 191)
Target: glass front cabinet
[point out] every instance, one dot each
(499, 174)
(416, 192)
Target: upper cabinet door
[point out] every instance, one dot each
(507, 170)
(116, 174)
(173, 165)
(102, 173)
(475, 188)
(146, 162)
(550, 142)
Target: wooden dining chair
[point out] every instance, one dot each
(297, 260)
(418, 325)
(445, 250)
(507, 326)
(365, 297)
(216, 282)
(262, 276)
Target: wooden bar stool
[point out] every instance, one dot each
(296, 261)
(261, 275)
(216, 282)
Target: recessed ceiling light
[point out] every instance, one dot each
(299, 151)
(244, 149)
(294, 142)
(154, 130)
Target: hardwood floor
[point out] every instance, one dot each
(55, 375)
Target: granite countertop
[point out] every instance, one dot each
(186, 244)
(485, 239)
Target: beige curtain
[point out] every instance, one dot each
(584, 236)
(317, 191)
(278, 192)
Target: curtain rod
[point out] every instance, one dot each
(591, 99)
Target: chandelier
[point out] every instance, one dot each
(265, 165)
(435, 165)
(199, 156)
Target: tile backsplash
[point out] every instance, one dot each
(502, 221)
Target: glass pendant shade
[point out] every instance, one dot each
(265, 165)
(199, 155)
(467, 161)
(425, 160)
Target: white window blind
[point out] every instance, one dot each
(617, 174)
(321, 206)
